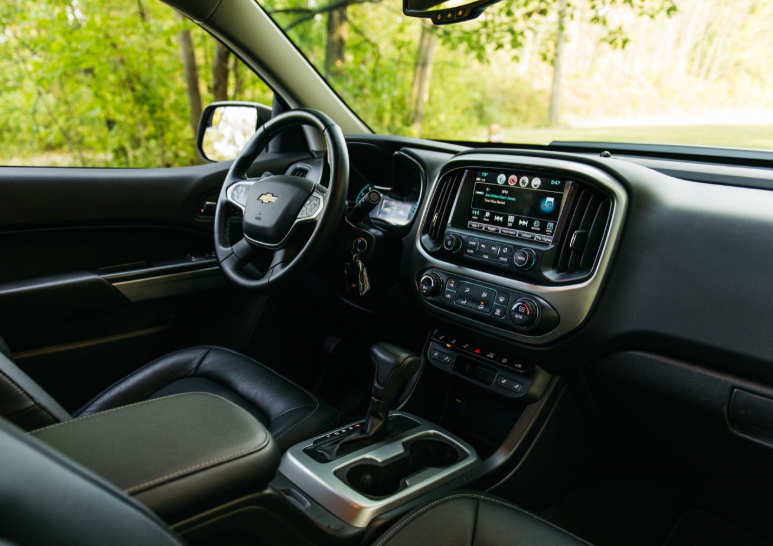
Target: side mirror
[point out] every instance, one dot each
(225, 128)
(444, 12)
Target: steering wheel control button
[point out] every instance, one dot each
(499, 311)
(524, 313)
(452, 243)
(524, 259)
(451, 284)
(431, 285)
(239, 193)
(311, 207)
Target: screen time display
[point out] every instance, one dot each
(517, 204)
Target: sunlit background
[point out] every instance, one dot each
(122, 82)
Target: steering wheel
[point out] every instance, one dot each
(274, 206)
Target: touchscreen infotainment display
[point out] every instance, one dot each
(517, 204)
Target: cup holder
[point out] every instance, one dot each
(378, 480)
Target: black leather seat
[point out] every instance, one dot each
(474, 519)
(288, 411)
(35, 480)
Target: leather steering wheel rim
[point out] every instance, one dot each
(233, 259)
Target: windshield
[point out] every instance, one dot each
(536, 71)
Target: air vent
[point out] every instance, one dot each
(300, 171)
(581, 240)
(440, 206)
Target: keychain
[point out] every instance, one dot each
(357, 281)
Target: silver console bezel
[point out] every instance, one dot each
(319, 480)
(572, 302)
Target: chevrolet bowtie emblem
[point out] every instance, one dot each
(268, 198)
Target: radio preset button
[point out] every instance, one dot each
(488, 247)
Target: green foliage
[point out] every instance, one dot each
(102, 82)
(99, 83)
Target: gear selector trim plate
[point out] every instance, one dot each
(322, 481)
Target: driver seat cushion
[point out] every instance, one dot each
(289, 412)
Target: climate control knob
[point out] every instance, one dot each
(452, 242)
(431, 285)
(524, 313)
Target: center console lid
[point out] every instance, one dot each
(179, 455)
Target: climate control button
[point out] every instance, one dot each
(524, 313)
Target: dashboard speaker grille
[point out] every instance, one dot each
(441, 204)
(581, 241)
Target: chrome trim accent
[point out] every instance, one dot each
(572, 302)
(318, 480)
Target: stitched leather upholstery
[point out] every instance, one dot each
(24, 402)
(48, 499)
(205, 450)
(290, 413)
(474, 519)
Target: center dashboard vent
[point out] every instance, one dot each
(440, 207)
(581, 240)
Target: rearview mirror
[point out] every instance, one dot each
(444, 12)
(225, 128)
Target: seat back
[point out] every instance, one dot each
(48, 499)
(22, 401)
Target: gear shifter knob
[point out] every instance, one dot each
(394, 366)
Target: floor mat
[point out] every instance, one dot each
(702, 529)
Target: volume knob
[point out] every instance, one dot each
(452, 243)
(431, 285)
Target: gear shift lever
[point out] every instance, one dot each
(394, 366)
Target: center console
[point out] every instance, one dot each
(367, 468)
(377, 478)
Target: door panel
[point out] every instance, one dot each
(105, 269)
